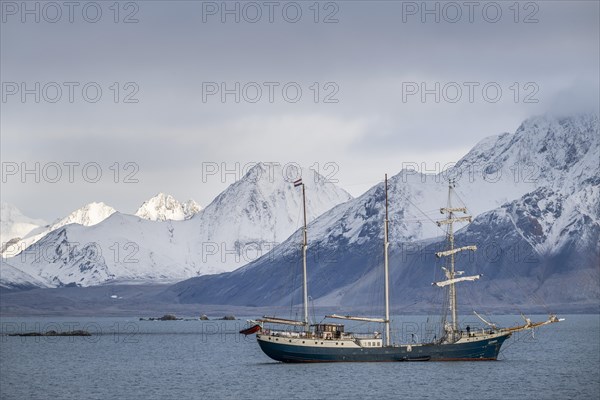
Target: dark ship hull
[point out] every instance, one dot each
(291, 351)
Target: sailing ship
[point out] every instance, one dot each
(329, 342)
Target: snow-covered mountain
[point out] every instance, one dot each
(262, 210)
(14, 225)
(13, 278)
(535, 195)
(88, 215)
(164, 207)
(191, 208)
(244, 222)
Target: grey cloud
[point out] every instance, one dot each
(369, 54)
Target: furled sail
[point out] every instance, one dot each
(349, 317)
(282, 321)
(456, 280)
(453, 220)
(454, 251)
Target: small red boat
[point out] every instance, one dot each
(251, 330)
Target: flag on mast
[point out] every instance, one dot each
(298, 182)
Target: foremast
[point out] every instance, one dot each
(452, 276)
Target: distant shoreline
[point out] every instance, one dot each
(140, 301)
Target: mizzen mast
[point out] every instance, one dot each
(386, 244)
(304, 249)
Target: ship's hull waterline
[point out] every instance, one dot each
(285, 350)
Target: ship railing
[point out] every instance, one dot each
(290, 334)
(370, 335)
(477, 332)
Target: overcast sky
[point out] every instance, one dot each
(165, 121)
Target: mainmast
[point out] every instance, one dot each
(386, 244)
(304, 249)
(451, 273)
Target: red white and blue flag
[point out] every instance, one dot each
(298, 182)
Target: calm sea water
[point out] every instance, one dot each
(132, 359)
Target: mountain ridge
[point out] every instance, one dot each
(162, 207)
(15, 225)
(246, 220)
(533, 194)
(556, 208)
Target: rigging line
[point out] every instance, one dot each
(418, 218)
(376, 292)
(532, 295)
(299, 216)
(422, 212)
(517, 281)
(312, 301)
(293, 283)
(499, 290)
(418, 209)
(439, 298)
(371, 298)
(457, 192)
(371, 183)
(296, 265)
